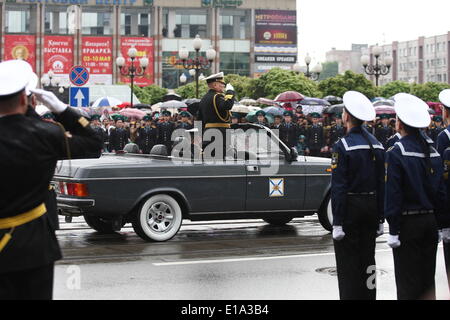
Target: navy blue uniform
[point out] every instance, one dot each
(118, 138)
(443, 140)
(357, 187)
(165, 130)
(382, 133)
(414, 191)
(392, 140)
(315, 140)
(147, 137)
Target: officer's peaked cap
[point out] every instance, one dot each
(14, 76)
(215, 77)
(359, 106)
(412, 111)
(444, 97)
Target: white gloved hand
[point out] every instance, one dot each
(380, 230)
(229, 87)
(446, 235)
(338, 233)
(393, 241)
(49, 100)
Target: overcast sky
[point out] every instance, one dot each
(323, 24)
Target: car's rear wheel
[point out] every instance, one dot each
(277, 221)
(158, 218)
(325, 214)
(102, 225)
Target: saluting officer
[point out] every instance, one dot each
(443, 147)
(289, 130)
(165, 130)
(314, 136)
(384, 131)
(357, 199)
(30, 149)
(215, 108)
(147, 136)
(414, 201)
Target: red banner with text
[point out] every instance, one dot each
(144, 47)
(97, 58)
(21, 47)
(58, 56)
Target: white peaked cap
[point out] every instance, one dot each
(444, 97)
(359, 106)
(412, 111)
(14, 76)
(213, 77)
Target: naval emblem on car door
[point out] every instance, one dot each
(276, 187)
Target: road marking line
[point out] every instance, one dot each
(161, 264)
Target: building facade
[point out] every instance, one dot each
(249, 36)
(347, 59)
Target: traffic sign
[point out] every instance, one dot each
(79, 75)
(79, 97)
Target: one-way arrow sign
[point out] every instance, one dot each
(79, 97)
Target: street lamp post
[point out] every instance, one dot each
(197, 64)
(315, 71)
(49, 82)
(131, 70)
(378, 69)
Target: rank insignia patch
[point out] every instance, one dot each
(276, 187)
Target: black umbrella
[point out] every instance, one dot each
(142, 106)
(191, 101)
(333, 99)
(172, 96)
(337, 108)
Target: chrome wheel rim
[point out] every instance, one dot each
(160, 217)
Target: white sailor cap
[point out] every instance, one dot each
(359, 106)
(14, 76)
(32, 83)
(412, 111)
(215, 77)
(444, 97)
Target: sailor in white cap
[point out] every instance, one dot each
(30, 149)
(443, 147)
(414, 201)
(215, 112)
(357, 200)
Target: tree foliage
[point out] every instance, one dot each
(151, 94)
(429, 91)
(330, 69)
(338, 85)
(392, 88)
(242, 85)
(188, 90)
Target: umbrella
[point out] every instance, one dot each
(141, 106)
(386, 109)
(132, 113)
(172, 96)
(289, 96)
(384, 102)
(274, 111)
(266, 101)
(314, 102)
(333, 99)
(174, 104)
(106, 102)
(248, 102)
(241, 109)
(336, 108)
(191, 101)
(431, 111)
(124, 105)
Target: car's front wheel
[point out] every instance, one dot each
(158, 218)
(325, 214)
(277, 221)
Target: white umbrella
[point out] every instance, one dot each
(106, 102)
(244, 109)
(248, 102)
(173, 104)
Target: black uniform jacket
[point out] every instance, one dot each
(215, 107)
(29, 150)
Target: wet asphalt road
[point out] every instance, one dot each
(229, 260)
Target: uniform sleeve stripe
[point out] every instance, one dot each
(360, 147)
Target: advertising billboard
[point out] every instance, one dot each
(144, 47)
(58, 56)
(97, 58)
(21, 47)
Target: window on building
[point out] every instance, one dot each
(185, 23)
(234, 24)
(96, 21)
(56, 20)
(20, 18)
(235, 63)
(135, 22)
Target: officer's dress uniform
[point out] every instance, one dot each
(30, 149)
(315, 139)
(119, 138)
(165, 130)
(147, 137)
(289, 133)
(414, 203)
(215, 111)
(357, 195)
(101, 133)
(383, 133)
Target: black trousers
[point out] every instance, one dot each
(415, 259)
(30, 284)
(355, 253)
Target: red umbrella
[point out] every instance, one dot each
(124, 105)
(289, 96)
(385, 110)
(132, 113)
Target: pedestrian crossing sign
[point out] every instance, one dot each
(276, 187)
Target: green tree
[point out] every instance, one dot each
(330, 69)
(392, 88)
(151, 94)
(241, 84)
(278, 80)
(188, 91)
(341, 83)
(429, 91)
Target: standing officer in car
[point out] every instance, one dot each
(215, 109)
(415, 201)
(29, 149)
(357, 199)
(443, 147)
